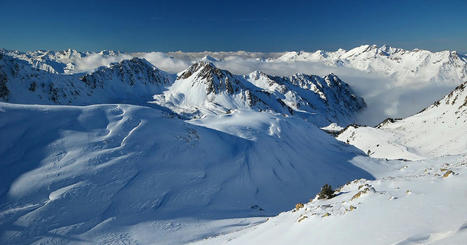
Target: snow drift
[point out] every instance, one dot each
(79, 173)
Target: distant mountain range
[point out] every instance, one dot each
(201, 89)
(397, 63)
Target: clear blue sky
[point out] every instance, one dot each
(231, 25)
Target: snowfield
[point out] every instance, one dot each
(85, 173)
(106, 148)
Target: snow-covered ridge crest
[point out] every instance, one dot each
(129, 71)
(311, 94)
(443, 125)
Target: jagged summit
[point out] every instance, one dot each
(203, 88)
(313, 95)
(130, 71)
(215, 79)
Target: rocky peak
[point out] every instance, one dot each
(128, 71)
(258, 74)
(215, 79)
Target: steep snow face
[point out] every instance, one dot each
(133, 80)
(405, 66)
(324, 99)
(418, 202)
(438, 130)
(204, 88)
(97, 173)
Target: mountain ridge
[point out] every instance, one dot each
(443, 124)
(201, 88)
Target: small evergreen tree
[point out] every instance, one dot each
(326, 192)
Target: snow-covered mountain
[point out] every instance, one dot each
(403, 65)
(203, 88)
(67, 61)
(394, 82)
(438, 130)
(400, 64)
(313, 95)
(130, 81)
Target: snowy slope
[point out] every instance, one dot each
(419, 202)
(438, 130)
(415, 201)
(205, 89)
(98, 173)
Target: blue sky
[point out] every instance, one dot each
(231, 25)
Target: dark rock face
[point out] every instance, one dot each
(217, 80)
(128, 80)
(328, 95)
(128, 71)
(4, 91)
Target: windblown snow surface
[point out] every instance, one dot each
(110, 173)
(416, 201)
(130, 154)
